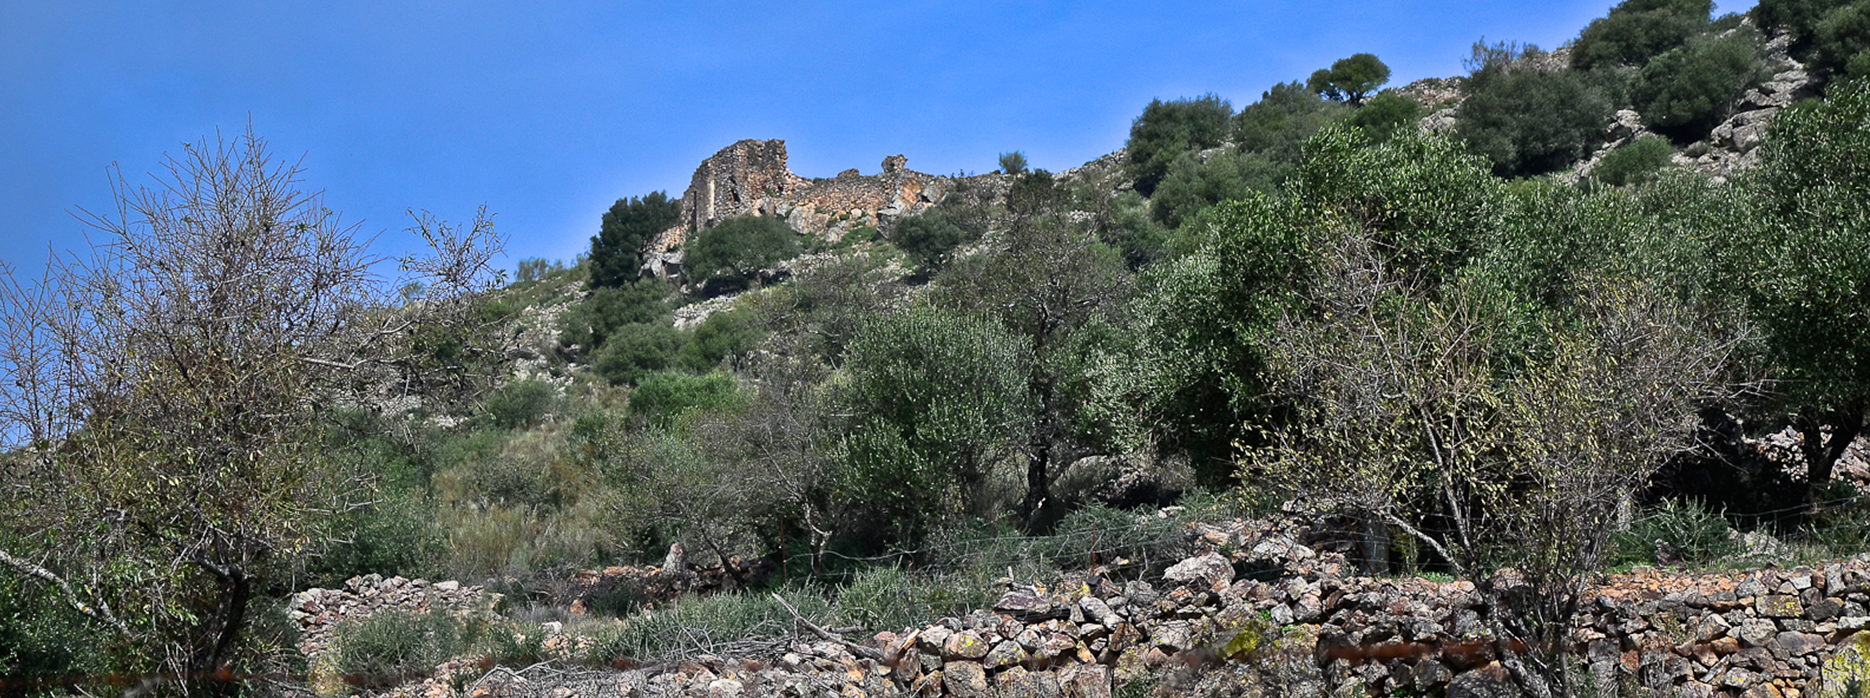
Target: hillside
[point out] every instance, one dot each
(1549, 379)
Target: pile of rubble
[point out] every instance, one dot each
(318, 611)
(1786, 449)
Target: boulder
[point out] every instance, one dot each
(1006, 653)
(1087, 681)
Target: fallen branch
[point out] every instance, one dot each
(828, 636)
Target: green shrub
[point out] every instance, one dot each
(615, 600)
(521, 404)
(536, 269)
(1278, 125)
(1699, 535)
(1013, 163)
(1842, 40)
(488, 540)
(393, 645)
(1635, 162)
(1036, 193)
(397, 535)
(1165, 130)
(611, 309)
(1386, 115)
(1093, 535)
(629, 225)
(727, 256)
(1524, 120)
(639, 350)
(1192, 184)
(1800, 18)
(662, 398)
(1125, 223)
(858, 236)
(1684, 93)
(929, 239)
(720, 336)
(885, 598)
(933, 396)
(516, 643)
(1842, 525)
(1637, 30)
(41, 639)
(706, 625)
(519, 474)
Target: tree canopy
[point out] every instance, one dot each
(629, 225)
(1350, 79)
(1167, 129)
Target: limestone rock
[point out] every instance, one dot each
(1026, 606)
(1017, 682)
(1087, 681)
(1006, 653)
(1779, 606)
(967, 644)
(1490, 681)
(966, 680)
(1205, 571)
(1847, 673)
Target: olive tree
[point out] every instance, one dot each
(1804, 271)
(931, 399)
(1047, 280)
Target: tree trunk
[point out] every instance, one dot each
(1038, 486)
(226, 626)
(1375, 536)
(1039, 455)
(1822, 454)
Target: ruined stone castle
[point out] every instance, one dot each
(751, 178)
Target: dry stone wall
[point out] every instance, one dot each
(1263, 614)
(317, 612)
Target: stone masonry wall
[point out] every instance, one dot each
(1262, 614)
(751, 177)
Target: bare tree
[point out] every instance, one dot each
(163, 388)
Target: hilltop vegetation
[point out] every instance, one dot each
(1443, 341)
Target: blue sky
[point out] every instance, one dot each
(549, 111)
